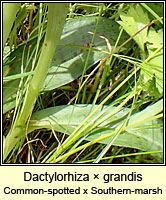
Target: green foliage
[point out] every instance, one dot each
(135, 19)
(141, 134)
(117, 96)
(56, 15)
(70, 55)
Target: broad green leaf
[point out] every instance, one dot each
(133, 21)
(155, 39)
(154, 66)
(67, 118)
(141, 132)
(70, 57)
(69, 61)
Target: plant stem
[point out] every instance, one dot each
(56, 18)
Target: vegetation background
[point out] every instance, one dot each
(83, 83)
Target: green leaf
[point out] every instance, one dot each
(21, 15)
(69, 58)
(9, 15)
(141, 133)
(154, 68)
(133, 21)
(154, 65)
(155, 39)
(149, 87)
(56, 19)
(67, 118)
